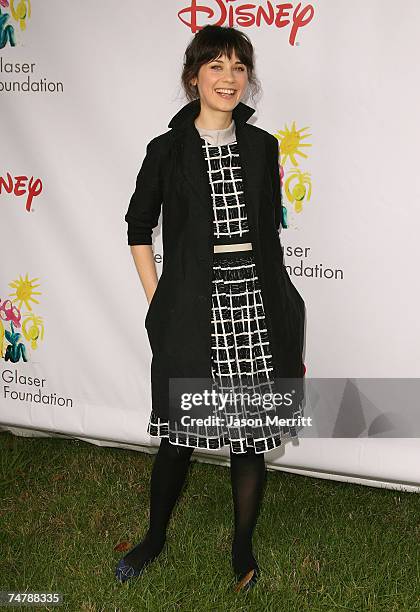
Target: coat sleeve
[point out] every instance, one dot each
(275, 177)
(145, 203)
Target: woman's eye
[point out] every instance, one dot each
(241, 68)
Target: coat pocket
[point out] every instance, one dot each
(160, 321)
(154, 300)
(146, 319)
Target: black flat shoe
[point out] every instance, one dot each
(124, 571)
(127, 568)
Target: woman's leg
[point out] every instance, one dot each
(247, 478)
(169, 472)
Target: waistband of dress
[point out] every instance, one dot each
(228, 248)
(234, 254)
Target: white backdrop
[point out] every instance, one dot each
(84, 88)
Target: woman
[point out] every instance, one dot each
(224, 311)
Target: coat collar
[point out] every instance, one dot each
(186, 115)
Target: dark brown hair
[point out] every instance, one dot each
(207, 45)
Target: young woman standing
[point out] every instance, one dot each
(224, 305)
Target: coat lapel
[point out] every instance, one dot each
(252, 157)
(194, 167)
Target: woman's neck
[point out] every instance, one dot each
(213, 121)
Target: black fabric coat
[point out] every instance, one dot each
(173, 179)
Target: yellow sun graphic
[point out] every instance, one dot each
(24, 291)
(290, 143)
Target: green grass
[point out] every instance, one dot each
(321, 545)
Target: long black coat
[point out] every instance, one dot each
(173, 178)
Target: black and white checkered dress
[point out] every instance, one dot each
(240, 350)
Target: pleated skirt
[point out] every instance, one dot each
(240, 359)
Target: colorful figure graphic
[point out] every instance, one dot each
(297, 194)
(15, 350)
(33, 329)
(8, 312)
(21, 12)
(7, 32)
(32, 325)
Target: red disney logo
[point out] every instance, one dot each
(19, 186)
(247, 15)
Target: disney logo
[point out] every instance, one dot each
(232, 12)
(21, 185)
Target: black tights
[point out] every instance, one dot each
(169, 472)
(247, 473)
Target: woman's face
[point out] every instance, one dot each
(222, 73)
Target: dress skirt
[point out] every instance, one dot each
(241, 360)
